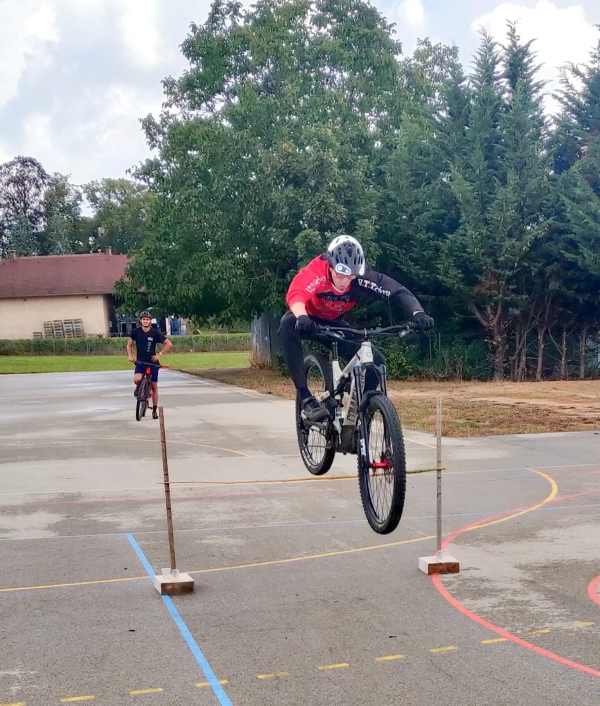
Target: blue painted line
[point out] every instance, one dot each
(218, 690)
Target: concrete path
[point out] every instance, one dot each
(297, 600)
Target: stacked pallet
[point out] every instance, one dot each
(67, 328)
(73, 328)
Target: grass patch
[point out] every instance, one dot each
(89, 363)
(469, 418)
(510, 408)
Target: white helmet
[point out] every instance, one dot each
(346, 256)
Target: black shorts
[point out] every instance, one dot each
(140, 369)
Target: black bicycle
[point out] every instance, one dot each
(144, 391)
(362, 421)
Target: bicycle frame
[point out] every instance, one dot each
(347, 415)
(146, 375)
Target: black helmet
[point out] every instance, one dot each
(145, 315)
(346, 256)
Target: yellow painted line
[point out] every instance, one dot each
(15, 703)
(538, 632)
(217, 569)
(582, 625)
(75, 583)
(341, 665)
(206, 683)
(420, 443)
(312, 556)
(389, 658)
(324, 555)
(261, 482)
(551, 496)
(493, 642)
(135, 692)
(149, 440)
(435, 650)
(273, 676)
(70, 699)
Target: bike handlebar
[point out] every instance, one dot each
(365, 333)
(156, 365)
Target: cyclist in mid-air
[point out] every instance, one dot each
(146, 338)
(323, 291)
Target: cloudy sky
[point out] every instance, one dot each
(76, 75)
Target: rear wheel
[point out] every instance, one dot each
(382, 469)
(142, 400)
(316, 442)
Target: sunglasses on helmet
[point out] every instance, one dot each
(342, 269)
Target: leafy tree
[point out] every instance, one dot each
(22, 184)
(417, 207)
(121, 217)
(62, 215)
(267, 149)
(499, 185)
(21, 237)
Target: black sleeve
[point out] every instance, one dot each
(159, 337)
(133, 335)
(373, 282)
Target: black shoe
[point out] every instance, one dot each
(313, 411)
(136, 391)
(154, 413)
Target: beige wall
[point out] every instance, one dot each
(19, 318)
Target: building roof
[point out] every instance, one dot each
(56, 275)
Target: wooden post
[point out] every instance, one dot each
(163, 444)
(171, 582)
(438, 435)
(440, 562)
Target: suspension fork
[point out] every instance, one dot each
(363, 450)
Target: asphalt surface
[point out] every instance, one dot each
(297, 601)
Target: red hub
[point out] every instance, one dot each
(381, 465)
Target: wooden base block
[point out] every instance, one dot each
(443, 564)
(173, 585)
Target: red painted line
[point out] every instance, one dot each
(485, 520)
(437, 582)
(593, 590)
(509, 636)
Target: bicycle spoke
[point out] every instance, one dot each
(316, 442)
(381, 472)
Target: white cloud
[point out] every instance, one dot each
(412, 12)
(26, 29)
(42, 24)
(139, 31)
(562, 34)
(102, 127)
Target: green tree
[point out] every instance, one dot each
(62, 215)
(499, 185)
(271, 147)
(22, 184)
(121, 214)
(417, 207)
(21, 237)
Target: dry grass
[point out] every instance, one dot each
(470, 409)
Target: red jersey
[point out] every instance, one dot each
(313, 287)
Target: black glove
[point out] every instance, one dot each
(305, 325)
(422, 321)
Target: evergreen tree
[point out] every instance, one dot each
(21, 237)
(499, 185)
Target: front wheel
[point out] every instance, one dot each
(382, 465)
(316, 442)
(142, 400)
